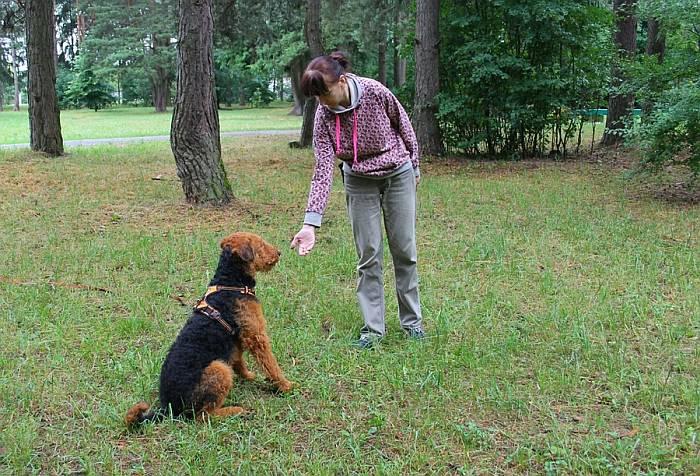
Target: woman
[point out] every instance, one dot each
(363, 124)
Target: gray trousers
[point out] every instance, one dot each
(367, 200)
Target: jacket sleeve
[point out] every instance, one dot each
(323, 172)
(399, 119)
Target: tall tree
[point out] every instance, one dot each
(621, 102)
(136, 34)
(12, 26)
(296, 69)
(425, 110)
(397, 39)
(312, 29)
(381, 54)
(656, 40)
(5, 78)
(15, 71)
(44, 115)
(194, 133)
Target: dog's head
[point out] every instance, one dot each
(253, 251)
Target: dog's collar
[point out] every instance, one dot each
(205, 308)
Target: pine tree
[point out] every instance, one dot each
(194, 134)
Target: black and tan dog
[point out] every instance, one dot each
(197, 374)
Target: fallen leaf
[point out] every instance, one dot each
(629, 433)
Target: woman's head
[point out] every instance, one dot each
(324, 78)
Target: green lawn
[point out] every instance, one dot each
(141, 121)
(562, 306)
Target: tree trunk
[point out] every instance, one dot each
(381, 60)
(160, 79)
(427, 77)
(312, 29)
(399, 67)
(280, 83)
(160, 87)
(399, 63)
(296, 69)
(656, 41)
(194, 134)
(656, 46)
(80, 23)
(15, 73)
(625, 39)
(2, 97)
(44, 116)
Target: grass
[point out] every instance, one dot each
(141, 121)
(563, 312)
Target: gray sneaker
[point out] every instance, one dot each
(367, 341)
(415, 333)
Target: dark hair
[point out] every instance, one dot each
(322, 69)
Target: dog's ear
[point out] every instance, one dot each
(238, 246)
(245, 252)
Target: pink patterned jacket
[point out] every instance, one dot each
(375, 138)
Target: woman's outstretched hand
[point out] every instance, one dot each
(304, 240)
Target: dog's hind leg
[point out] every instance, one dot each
(215, 384)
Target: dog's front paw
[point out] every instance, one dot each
(286, 386)
(248, 375)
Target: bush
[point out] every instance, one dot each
(671, 135)
(261, 96)
(86, 89)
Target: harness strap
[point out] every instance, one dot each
(212, 313)
(205, 308)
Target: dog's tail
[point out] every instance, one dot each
(139, 413)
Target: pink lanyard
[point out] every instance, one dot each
(354, 135)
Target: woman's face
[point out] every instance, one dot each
(337, 93)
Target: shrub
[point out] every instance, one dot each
(671, 134)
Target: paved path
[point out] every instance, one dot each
(127, 140)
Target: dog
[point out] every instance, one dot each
(198, 371)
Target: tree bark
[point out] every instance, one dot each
(160, 87)
(80, 23)
(656, 46)
(399, 69)
(15, 73)
(194, 133)
(296, 69)
(312, 29)
(620, 105)
(160, 79)
(656, 41)
(399, 62)
(427, 77)
(280, 83)
(381, 60)
(44, 115)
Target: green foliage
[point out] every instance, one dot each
(669, 91)
(86, 89)
(672, 133)
(132, 41)
(261, 96)
(255, 42)
(514, 75)
(64, 78)
(135, 87)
